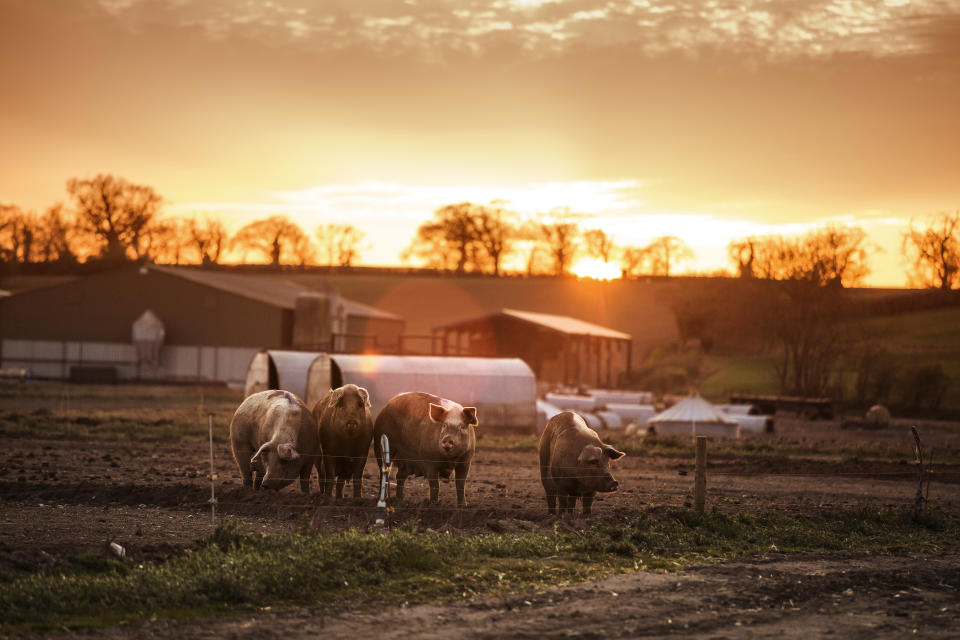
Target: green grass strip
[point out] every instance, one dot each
(233, 570)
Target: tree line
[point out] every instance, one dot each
(476, 238)
(109, 219)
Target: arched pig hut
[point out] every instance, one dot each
(502, 389)
(276, 369)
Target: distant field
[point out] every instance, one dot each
(911, 339)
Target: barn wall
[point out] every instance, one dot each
(102, 308)
(53, 359)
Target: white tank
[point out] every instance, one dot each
(638, 413)
(569, 402)
(620, 396)
(611, 420)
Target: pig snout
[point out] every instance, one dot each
(353, 425)
(612, 484)
(447, 444)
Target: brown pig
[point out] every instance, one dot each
(574, 463)
(274, 439)
(428, 436)
(346, 428)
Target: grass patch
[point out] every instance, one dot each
(139, 424)
(670, 447)
(234, 570)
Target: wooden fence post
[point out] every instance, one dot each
(700, 481)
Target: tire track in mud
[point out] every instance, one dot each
(773, 596)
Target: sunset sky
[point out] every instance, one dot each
(706, 120)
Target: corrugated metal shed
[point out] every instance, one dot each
(566, 324)
(561, 350)
(275, 369)
(561, 324)
(502, 389)
(273, 291)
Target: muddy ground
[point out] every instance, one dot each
(60, 497)
(771, 596)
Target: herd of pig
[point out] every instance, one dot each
(277, 439)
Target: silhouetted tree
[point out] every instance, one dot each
(341, 243)
(115, 212)
(17, 231)
(561, 236)
(743, 253)
(431, 247)
(208, 237)
(598, 244)
(666, 251)
(933, 251)
(57, 235)
(835, 255)
(451, 237)
(633, 261)
(805, 314)
(164, 240)
(529, 243)
(496, 233)
(277, 238)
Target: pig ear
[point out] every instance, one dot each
(364, 395)
(287, 452)
(612, 453)
(437, 412)
(589, 453)
(470, 416)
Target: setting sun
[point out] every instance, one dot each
(595, 269)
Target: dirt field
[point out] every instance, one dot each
(62, 496)
(773, 596)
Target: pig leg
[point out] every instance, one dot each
(257, 479)
(587, 499)
(461, 480)
(551, 503)
(357, 481)
(567, 504)
(305, 472)
(340, 480)
(550, 488)
(320, 479)
(402, 473)
(329, 473)
(246, 469)
(433, 477)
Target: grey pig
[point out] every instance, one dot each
(274, 439)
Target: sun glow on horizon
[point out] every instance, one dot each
(595, 269)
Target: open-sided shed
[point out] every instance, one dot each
(561, 350)
(502, 389)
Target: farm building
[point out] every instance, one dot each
(502, 389)
(559, 349)
(211, 323)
